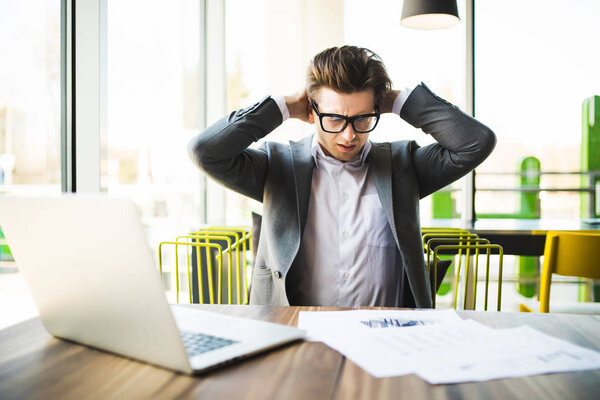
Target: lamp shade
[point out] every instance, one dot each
(429, 14)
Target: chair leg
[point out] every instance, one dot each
(524, 308)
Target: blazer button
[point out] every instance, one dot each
(277, 274)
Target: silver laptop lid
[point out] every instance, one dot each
(91, 273)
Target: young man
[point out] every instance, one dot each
(341, 214)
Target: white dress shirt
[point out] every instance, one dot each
(348, 256)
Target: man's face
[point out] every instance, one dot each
(347, 144)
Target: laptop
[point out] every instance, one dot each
(92, 275)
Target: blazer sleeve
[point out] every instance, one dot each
(462, 142)
(222, 152)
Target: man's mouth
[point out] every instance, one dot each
(346, 148)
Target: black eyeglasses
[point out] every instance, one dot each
(335, 123)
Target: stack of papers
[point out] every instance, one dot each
(441, 347)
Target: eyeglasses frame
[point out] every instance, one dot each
(347, 119)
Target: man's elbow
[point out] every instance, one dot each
(196, 149)
(488, 142)
(481, 147)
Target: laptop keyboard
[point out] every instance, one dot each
(197, 343)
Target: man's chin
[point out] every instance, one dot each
(346, 156)
(345, 153)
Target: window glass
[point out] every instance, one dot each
(245, 63)
(29, 124)
(30, 97)
(532, 77)
(153, 110)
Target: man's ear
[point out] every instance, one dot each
(311, 113)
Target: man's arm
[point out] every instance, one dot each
(462, 142)
(222, 152)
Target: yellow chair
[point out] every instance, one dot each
(439, 245)
(198, 246)
(214, 248)
(569, 254)
(444, 264)
(438, 267)
(242, 247)
(237, 248)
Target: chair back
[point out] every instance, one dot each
(216, 264)
(569, 254)
(441, 242)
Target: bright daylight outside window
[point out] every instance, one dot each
(29, 123)
(244, 63)
(30, 97)
(153, 110)
(532, 80)
(531, 83)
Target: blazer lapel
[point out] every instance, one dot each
(303, 163)
(380, 163)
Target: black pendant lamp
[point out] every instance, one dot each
(429, 14)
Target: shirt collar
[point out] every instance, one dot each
(318, 153)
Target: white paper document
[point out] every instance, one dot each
(440, 347)
(404, 351)
(325, 326)
(508, 353)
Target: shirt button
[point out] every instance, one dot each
(346, 234)
(347, 275)
(345, 196)
(277, 274)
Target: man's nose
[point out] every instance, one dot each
(348, 133)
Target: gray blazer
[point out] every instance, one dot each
(279, 176)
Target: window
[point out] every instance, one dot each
(30, 118)
(153, 110)
(532, 76)
(30, 97)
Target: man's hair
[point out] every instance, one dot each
(348, 69)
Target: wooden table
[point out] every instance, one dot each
(35, 365)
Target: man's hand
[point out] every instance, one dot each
(388, 101)
(299, 106)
